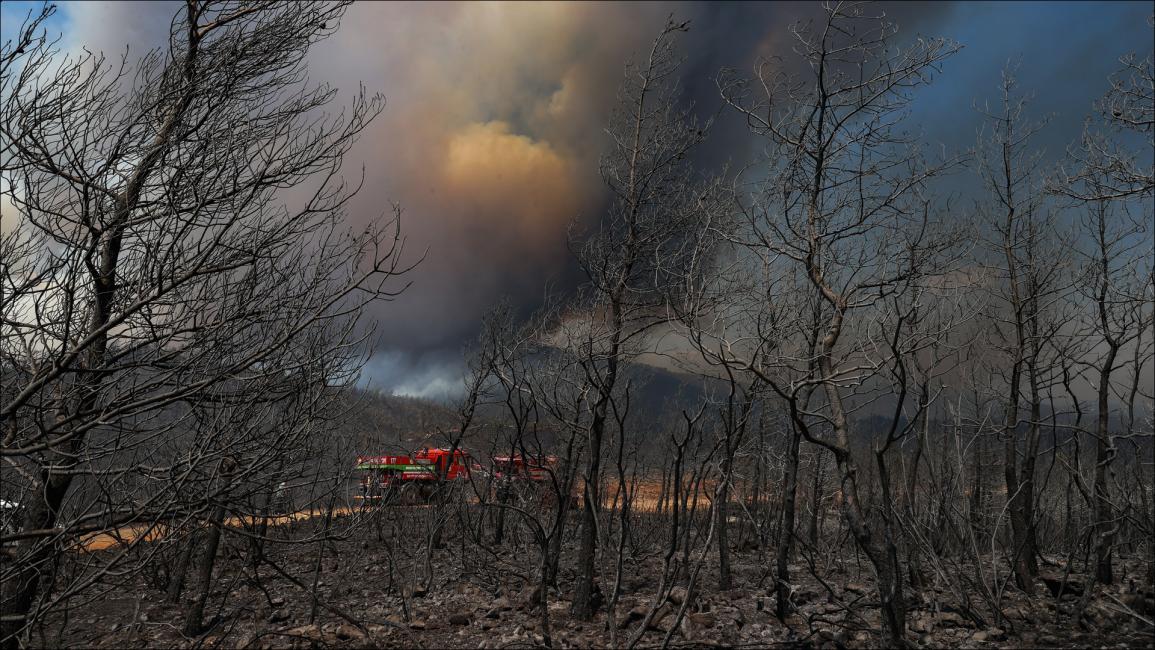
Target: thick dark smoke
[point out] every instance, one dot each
(494, 124)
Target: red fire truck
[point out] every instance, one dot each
(384, 479)
(526, 479)
(408, 479)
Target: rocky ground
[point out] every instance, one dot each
(481, 598)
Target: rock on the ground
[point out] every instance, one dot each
(1057, 583)
(731, 617)
(346, 632)
(659, 616)
(702, 619)
(951, 618)
(634, 615)
(307, 631)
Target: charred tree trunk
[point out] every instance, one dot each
(1030, 539)
(582, 607)
(914, 568)
(180, 571)
(194, 618)
(815, 499)
(56, 476)
(1016, 496)
(19, 593)
(1104, 454)
(722, 513)
(734, 423)
(782, 607)
(883, 557)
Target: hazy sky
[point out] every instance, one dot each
(493, 126)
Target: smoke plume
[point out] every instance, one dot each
(495, 119)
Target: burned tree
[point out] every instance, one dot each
(1027, 277)
(180, 299)
(843, 208)
(1109, 178)
(627, 256)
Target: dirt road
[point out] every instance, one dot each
(128, 534)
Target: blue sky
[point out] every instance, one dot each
(1065, 51)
